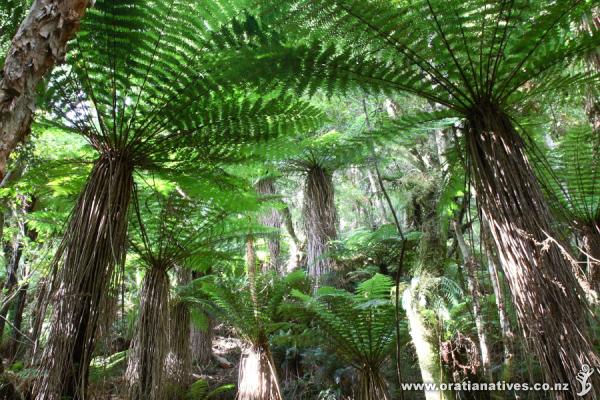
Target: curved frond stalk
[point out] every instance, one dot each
(547, 296)
(320, 220)
(145, 366)
(257, 377)
(94, 243)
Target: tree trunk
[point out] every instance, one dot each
(548, 299)
(146, 361)
(371, 385)
(179, 359)
(201, 343)
(94, 243)
(320, 219)
(257, 378)
(272, 219)
(17, 337)
(471, 266)
(40, 44)
(421, 336)
(13, 251)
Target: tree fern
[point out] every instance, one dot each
(480, 60)
(359, 328)
(141, 85)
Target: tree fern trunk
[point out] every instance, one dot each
(179, 359)
(320, 219)
(201, 343)
(146, 361)
(546, 294)
(371, 385)
(40, 43)
(506, 331)
(257, 378)
(94, 243)
(272, 219)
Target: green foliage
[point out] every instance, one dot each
(253, 319)
(359, 327)
(152, 93)
(199, 390)
(575, 177)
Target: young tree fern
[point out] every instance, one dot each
(480, 60)
(359, 328)
(142, 87)
(252, 307)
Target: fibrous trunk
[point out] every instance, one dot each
(39, 44)
(506, 330)
(179, 359)
(145, 366)
(201, 343)
(371, 384)
(319, 220)
(257, 379)
(272, 219)
(93, 244)
(546, 294)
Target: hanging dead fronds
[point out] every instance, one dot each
(93, 244)
(257, 379)
(145, 366)
(320, 219)
(271, 218)
(546, 294)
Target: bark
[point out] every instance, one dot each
(471, 266)
(94, 243)
(320, 219)
(39, 45)
(272, 219)
(549, 302)
(146, 361)
(421, 337)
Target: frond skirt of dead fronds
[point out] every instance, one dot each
(145, 365)
(93, 244)
(320, 219)
(548, 300)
